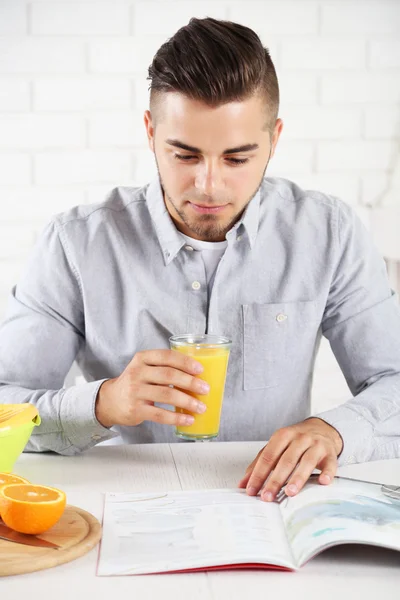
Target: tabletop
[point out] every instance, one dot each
(365, 570)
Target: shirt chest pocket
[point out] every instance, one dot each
(278, 339)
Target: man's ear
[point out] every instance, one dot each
(148, 123)
(275, 135)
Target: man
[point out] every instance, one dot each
(210, 246)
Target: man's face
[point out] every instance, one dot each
(210, 160)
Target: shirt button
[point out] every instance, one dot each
(96, 437)
(239, 237)
(196, 285)
(281, 317)
(189, 248)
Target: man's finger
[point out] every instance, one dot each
(267, 460)
(309, 461)
(285, 467)
(167, 417)
(168, 376)
(243, 482)
(328, 470)
(167, 358)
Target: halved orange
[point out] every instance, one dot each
(6, 478)
(31, 508)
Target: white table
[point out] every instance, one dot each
(338, 574)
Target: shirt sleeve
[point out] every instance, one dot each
(362, 323)
(40, 337)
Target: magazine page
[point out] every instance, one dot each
(171, 531)
(345, 511)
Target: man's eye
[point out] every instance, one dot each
(184, 156)
(232, 161)
(237, 161)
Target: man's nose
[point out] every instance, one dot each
(208, 179)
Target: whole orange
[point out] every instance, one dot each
(31, 508)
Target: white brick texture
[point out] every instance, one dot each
(13, 17)
(81, 94)
(276, 18)
(33, 56)
(365, 17)
(346, 187)
(298, 88)
(315, 123)
(323, 53)
(145, 167)
(123, 55)
(14, 95)
(382, 88)
(15, 240)
(41, 131)
(382, 124)
(83, 167)
(37, 205)
(14, 167)
(164, 18)
(117, 129)
(373, 186)
(385, 54)
(351, 156)
(80, 18)
(291, 158)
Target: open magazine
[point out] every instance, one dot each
(221, 529)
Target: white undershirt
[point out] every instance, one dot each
(211, 253)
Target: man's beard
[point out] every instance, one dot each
(207, 227)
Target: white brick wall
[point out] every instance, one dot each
(15, 168)
(361, 88)
(80, 18)
(164, 18)
(277, 18)
(13, 18)
(369, 17)
(85, 166)
(73, 90)
(37, 132)
(35, 55)
(326, 53)
(14, 95)
(78, 94)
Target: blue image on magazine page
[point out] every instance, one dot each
(346, 511)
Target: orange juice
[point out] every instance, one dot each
(214, 358)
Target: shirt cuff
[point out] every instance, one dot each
(78, 417)
(356, 432)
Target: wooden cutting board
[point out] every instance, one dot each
(77, 532)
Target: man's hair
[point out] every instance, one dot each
(215, 62)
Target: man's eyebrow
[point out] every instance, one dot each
(182, 146)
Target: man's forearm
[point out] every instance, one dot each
(369, 423)
(69, 425)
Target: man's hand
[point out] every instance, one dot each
(162, 376)
(294, 452)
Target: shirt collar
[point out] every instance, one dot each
(249, 221)
(169, 237)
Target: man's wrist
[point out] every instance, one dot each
(333, 433)
(102, 404)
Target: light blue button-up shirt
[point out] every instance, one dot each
(108, 280)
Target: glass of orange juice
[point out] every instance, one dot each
(212, 351)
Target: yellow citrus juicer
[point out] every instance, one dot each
(16, 425)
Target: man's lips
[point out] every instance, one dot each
(206, 209)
